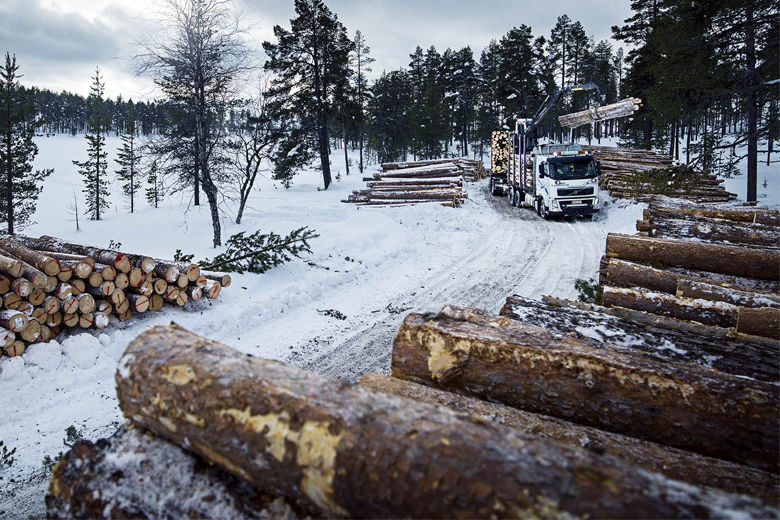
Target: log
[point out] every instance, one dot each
(146, 288)
(160, 286)
(81, 268)
(145, 263)
(182, 281)
(65, 274)
(104, 289)
(37, 297)
(176, 296)
(678, 404)
(70, 320)
(194, 293)
(167, 271)
(26, 308)
(38, 278)
(719, 314)
(51, 284)
(13, 320)
(95, 279)
(763, 321)
(10, 266)
(671, 462)
(657, 336)
(21, 287)
(102, 320)
(749, 215)
(108, 272)
(7, 337)
(622, 108)
(69, 305)
(15, 349)
(201, 281)
(77, 286)
(122, 281)
(5, 284)
(138, 302)
(718, 258)
(717, 230)
(11, 301)
(346, 451)
(86, 320)
(32, 331)
(48, 243)
(223, 278)
(104, 307)
(212, 289)
(46, 334)
(63, 290)
(86, 303)
(717, 293)
(133, 473)
(54, 320)
(136, 277)
(156, 302)
(51, 304)
(37, 259)
(67, 257)
(123, 315)
(40, 314)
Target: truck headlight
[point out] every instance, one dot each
(554, 203)
(596, 201)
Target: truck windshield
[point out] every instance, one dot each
(575, 168)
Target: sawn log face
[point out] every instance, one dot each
(347, 451)
(527, 367)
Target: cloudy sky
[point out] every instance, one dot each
(58, 43)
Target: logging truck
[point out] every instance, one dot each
(554, 179)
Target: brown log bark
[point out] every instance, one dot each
(346, 451)
(13, 320)
(763, 321)
(719, 314)
(67, 257)
(48, 243)
(169, 272)
(748, 215)
(133, 472)
(10, 266)
(663, 338)
(717, 230)
(671, 462)
(740, 261)
(38, 278)
(717, 293)
(37, 259)
(414, 164)
(678, 404)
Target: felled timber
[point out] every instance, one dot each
(657, 336)
(48, 243)
(623, 108)
(134, 474)
(719, 314)
(759, 322)
(664, 207)
(713, 230)
(413, 164)
(719, 258)
(39, 260)
(718, 293)
(671, 462)
(347, 451)
(678, 404)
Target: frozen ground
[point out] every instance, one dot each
(372, 265)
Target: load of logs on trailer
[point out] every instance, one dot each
(485, 416)
(623, 108)
(438, 181)
(620, 168)
(48, 285)
(718, 266)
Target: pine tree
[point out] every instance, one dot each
(363, 62)
(93, 170)
(389, 116)
(559, 45)
(309, 61)
(20, 185)
(154, 189)
(579, 48)
(128, 158)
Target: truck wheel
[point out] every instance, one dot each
(537, 203)
(543, 211)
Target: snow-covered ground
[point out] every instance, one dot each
(372, 265)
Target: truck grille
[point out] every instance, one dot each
(572, 192)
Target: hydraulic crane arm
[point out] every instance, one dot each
(551, 100)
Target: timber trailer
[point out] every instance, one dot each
(554, 179)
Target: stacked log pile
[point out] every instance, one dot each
(619, 167)
(48, 285)
(714, 266)
(623, 108)
(353, 451)
(438, 181)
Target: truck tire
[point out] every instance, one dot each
(543, 210)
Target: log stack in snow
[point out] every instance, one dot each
(620, 166)
(48, 285)
(715, 266)
(438, 181)
(358, 451)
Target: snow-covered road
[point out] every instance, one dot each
(373, 266)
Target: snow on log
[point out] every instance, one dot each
(657, 336)
(664, 207)
(10, 266)
(678, 404)
(39, 260)
(710, 229)
(134, 474)
(719, 314)
(717, 293)
(343, 450)
(718, 258)
(671, 462)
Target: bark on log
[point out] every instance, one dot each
(717, 293)
(167, 271)
(223, 278)
(135, 474)
(48, 243)
(740, 261)
(657, 336)
(719, 314)
(716, 230)
(38, 278)
(81, 268)
(37, 259)
(10, 266)
(346, 451)
(671, 462)
(764, 322)
(678, 404)
(145, 263)
(5, 284)
(748, 215)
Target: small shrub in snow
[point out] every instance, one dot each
(72, 436)
(589, 291)
(333, 313)
(6, 456)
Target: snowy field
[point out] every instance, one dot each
(371, 265)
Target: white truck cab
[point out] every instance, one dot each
(565, 182)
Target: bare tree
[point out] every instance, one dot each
(254, 143)
(196, 63)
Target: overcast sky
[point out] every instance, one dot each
(58, 43)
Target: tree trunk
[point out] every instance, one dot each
(751, 109)
(211, 195)
(763, 321)
(678, 404)
(347, 451)
(716, 258)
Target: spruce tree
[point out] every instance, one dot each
(559, 45)
(93, 170)
(20, 185)
(363, 62)
(128, 158)
(154, 189)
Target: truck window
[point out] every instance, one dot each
(573, 169)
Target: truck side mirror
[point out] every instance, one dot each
(541, 171)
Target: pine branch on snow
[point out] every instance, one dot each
(257, 253)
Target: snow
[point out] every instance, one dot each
(372, 265)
